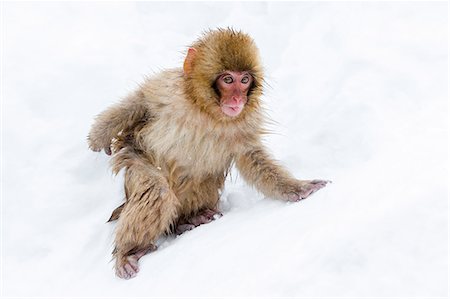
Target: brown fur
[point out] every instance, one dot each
(177, 146)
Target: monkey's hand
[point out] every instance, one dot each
(98, 142)
(121, 117)
(302, 189)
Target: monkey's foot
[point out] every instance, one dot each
(306, 188)
(205, 216)
(127, 266)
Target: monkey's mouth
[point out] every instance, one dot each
(232, 110)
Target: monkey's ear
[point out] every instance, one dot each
(187, 66)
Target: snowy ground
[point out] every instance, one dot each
(360, 94)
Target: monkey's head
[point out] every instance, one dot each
(223, 74)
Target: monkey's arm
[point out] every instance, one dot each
(260, 170)
(119, 118)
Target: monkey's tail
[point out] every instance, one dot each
(116, 213)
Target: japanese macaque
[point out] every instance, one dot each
(177, 137)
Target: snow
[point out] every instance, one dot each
(359, 95)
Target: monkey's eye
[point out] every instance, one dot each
(228, 79)
(245, 80)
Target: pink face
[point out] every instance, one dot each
(233, 88)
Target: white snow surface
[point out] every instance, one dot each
(359, 94)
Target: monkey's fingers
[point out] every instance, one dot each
(307, 189)
(94, 147)
(97, 149)
(108, 150)
(321, 182)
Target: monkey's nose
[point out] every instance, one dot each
(236, 100)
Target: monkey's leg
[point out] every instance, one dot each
(149, 212)
(203, 217)
(199, 203)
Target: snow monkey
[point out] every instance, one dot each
(177, 136)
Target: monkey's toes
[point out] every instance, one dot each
(212, 214)
(181, 228)
(128, 267)
(205, 216)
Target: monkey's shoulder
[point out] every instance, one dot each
(163, 89)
